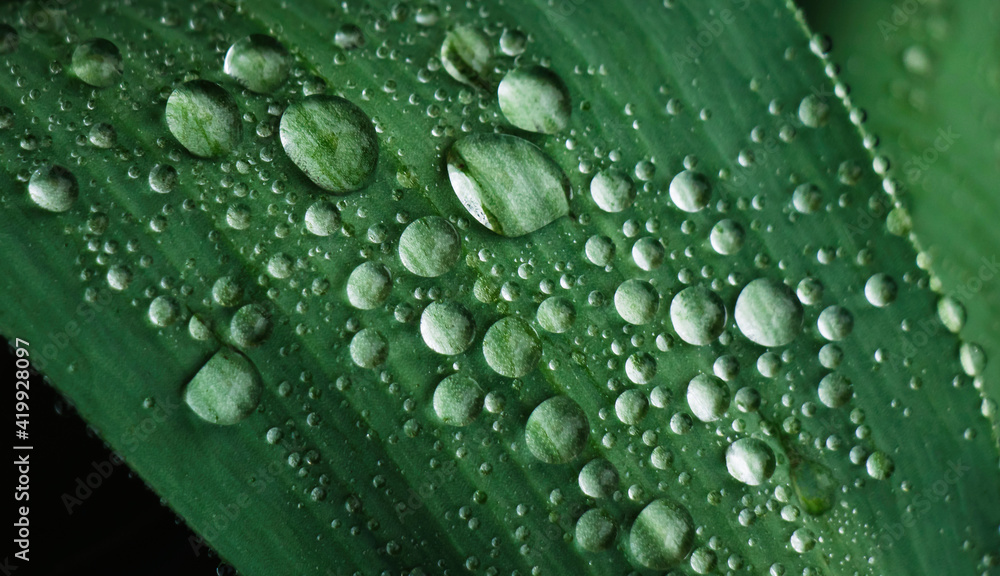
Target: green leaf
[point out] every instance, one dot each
(368, 451)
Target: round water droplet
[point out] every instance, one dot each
(204, 118)
(690, 191)
(507, 183)
(698, 315)
(227, 291)
(598, 478)
(803, 540)
(369, 349)
(163, 178)
(557, 430)
(768, 313)
(332, 141)
(662, 535)
(879, 465)
(238, 216)
(322, 218)
(596, 530)
(103, 135)
(648, 253)
(447, 327)
(814, 111)
(631, 407)
(368, 285)
(640, 368)
(226, 390)
(807, 199)
(97, 62)
(250, 326)
(881, 290)
(600, 250)
(119, 277)
(164, 311)
(636, 301)
(727, 237)
(465, 54)
(258, 62)
(835, 390)
(707, 397)
(199, 328)
(750, 461)
(835, 323)
(511, 347)
(513, 42)
(349, 37)
(53, 188)
(535, 99)
(458, 399)
(556, 314)
(430, 246)
(612, 190)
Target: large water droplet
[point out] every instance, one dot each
(768, 313)
(227, 291)
(598, 478)
(698, 315)
(368, 285)
(707, 397)
(507, 183)
(690, 191)
(662, 535)
(258, 62)
(535, 99)
(322, 218)
(164, 311)
(465, 54)
(835, 323)
(612, 190)
(369, 349)
(596, 530)
(631, 407)
(835, 390)
(727, 237)
(163, 178)
(97, 62)
(881, 290)
(556, 314)
(636, 301)
(458, 399)
(429, 246)
(226, 390)
(332, 141)
(447, 327)
(53, 188)
(814, 111)
(250, 326)
(511, 347)
(557, 430)
(750, 461)
(204, 118)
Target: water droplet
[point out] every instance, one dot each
(972, 357)
(53, 188)
(103, 135)
(698, 315)
(322, 218)
(447, 327)
(640, 368)
(648, 253)
(332, 141)
(707, 397)
(204, 118)
(662, 535)
(97, 62)
(199, 328)
(835, 323)
(952, 314)
(768, 313)
(250, 326)
(511, 347)
(600, 250)
(226, 390)
(612, 190)
(835, 390)
(598, 478)
(535, 99)
(458, 399)
(368, 285)
(807, 198)
(164, 311)
(163, 178)
(750, 461)
(727, 237)
(814, 486)
(258, 62)
(466, 54)
(280, 265)
(9, 39)
(690, 191)
(557, 430)
(803, 540)
(238, 216)
(631, 407)
(369, 348)
(814, 111)
(507, 183)
(429, 246)
(556, 314)
(636, 301)
(596, 530)
(881, 290)
(349, 37)
(119, 277)
(227, 291)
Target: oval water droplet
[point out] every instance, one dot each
(465, 54)
(332, 141)
(250, 326)
(369, 349)
(447, 327)
(662, 535)
(53, 188)
(596, 530)
(768, 313)
(631, 407)
(97, 62)
(535, 99)
(227, 291)
(556, 314)
(690, 191)
(613, 190)
(636, 301)
(368, 285)
(814, 111)
(429, 246)
(707, 397)
(879, 465)
(225, 390)
(511, 347)
(698, 315)
(204, 118)
(258, 62)
(457, 400)
(164, 311)
(750, 461)
(835, 390)
(506, 183)
(557, 430)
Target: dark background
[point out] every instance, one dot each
(120, 529)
